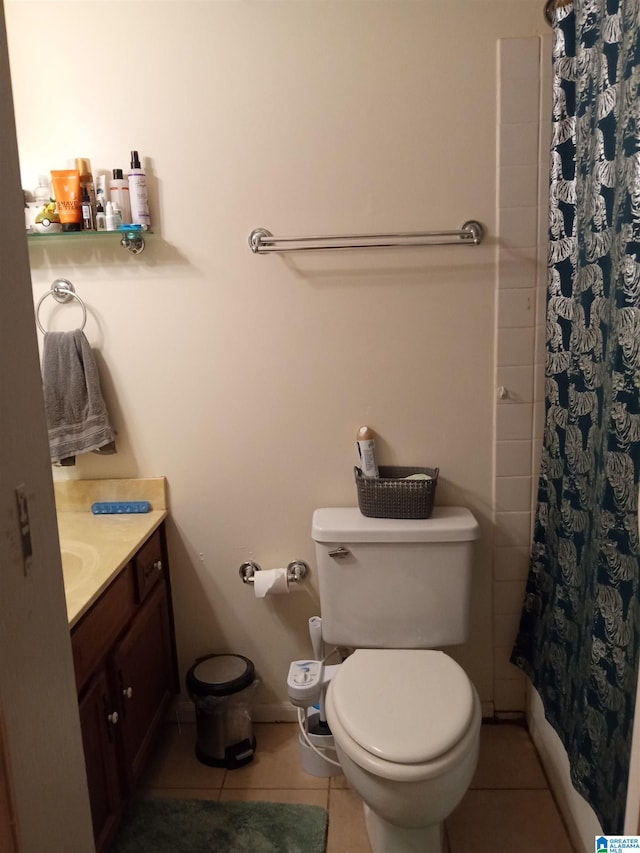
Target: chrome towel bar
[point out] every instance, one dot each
(261, 240)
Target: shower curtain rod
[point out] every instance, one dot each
(261, 240)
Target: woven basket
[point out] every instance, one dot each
(391, 496)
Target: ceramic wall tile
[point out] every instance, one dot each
(508, 597)
(518, 186)
(519, 58)
(518, 382)
(518, 227)
(519, 144)
(513, 458)
(515, 347)
(512, 529)
(519, 99)
(511, 563)
(513, 494)
(516, 307)
(514, 421)
(517, 267)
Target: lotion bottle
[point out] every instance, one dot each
(119, 194)
(111, 218)
(138, 194)
(366, 451)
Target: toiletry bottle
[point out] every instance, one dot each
(88, 221)
(66, 190)
(117, 217)
(42, 193)
(101, 219)
(366, 450)
(119, 193)
(83, 165)
(138, 194)
(111, 217)
(102, 195)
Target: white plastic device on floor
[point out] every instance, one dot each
(307, 683)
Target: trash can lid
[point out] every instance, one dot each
(220, 675)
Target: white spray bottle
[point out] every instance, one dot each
(138, 193)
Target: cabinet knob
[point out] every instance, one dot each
(113, 718)
(158, 565)
(127, 692)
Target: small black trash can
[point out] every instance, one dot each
(220, 686)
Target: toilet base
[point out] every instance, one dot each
(385, 836)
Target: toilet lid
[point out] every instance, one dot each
(405, 706)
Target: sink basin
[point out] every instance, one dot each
(78, 561)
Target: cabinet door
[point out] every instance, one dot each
(143, 672)
(99, 725)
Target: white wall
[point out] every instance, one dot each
(39, 723)
(243, 379)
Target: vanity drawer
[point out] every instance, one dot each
(148, 565)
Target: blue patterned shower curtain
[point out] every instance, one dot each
(580, 625)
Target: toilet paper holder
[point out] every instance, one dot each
(297, 570)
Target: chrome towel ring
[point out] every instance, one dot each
(62, 291)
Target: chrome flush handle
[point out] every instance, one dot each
(339, 552)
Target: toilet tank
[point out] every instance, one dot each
(394, 583)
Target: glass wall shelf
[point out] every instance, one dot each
(132, 241)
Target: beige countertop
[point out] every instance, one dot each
(95, 548)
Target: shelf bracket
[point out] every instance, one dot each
(132, 241)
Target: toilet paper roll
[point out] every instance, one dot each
(270, 582)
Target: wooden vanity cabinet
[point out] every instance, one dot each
(125, 663)
(142, 668)
(106, 793)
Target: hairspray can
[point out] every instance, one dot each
(367, 452)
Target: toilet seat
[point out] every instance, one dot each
(405, 706)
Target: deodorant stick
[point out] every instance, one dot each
(367, 452)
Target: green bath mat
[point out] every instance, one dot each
(202, 826)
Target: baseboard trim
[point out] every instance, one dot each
(183, 711)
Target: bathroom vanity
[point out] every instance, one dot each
(119, 607)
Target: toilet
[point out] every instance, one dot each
(404, 716)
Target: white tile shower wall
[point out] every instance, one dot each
(521, 281)
(546, 87)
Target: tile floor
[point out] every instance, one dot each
(508, 808)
